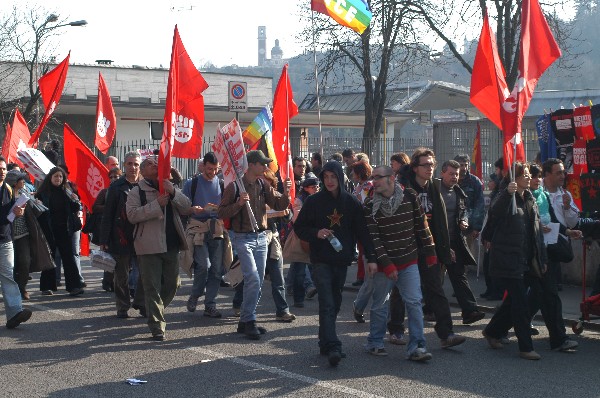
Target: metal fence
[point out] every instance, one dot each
(454, 138)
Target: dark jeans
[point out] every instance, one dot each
(275, 269)
(543, 294)
(299, 274)
(63, 242)
(435, 298)
(22, 262)
(458, 279)
(512, 313)
(329, 281)
(396, 321)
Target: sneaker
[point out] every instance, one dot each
(47, 292)
(493, 342)
(237, 311)
(211, 312)
(334, 357)
(22, 316)
(76, 292)
(420, 355)
(473, 317)
(285, 317)
(397, 339)
(567, 345)
(192, 303)
(359, 317)
(311, 292)
(453, 340)
(380, 352)
(531, 355)
(324, 351)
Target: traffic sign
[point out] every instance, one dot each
(238, 94)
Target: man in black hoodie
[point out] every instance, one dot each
(329, 214)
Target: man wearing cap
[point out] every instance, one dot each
(251, 244)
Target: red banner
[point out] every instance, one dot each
(51, 88)
(284, 108)
(16, 137)
(106, 120)
(85, 169)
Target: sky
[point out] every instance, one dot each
(134, 32)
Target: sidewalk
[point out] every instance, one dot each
(571, 297)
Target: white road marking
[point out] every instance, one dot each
(284, 373)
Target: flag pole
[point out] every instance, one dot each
(312, 20)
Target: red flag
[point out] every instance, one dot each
(84, 241)
(488, 84)
(51, 88)
(106, 120)
(284, 108)
(85, 169)
(16, 137)
(476, 165)
(538, 51)
(189, 112)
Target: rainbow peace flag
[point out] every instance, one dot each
(354, 14)
(261, 124)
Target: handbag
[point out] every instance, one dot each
(296, 250)
(561, 251)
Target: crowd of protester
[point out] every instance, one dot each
(404, 228)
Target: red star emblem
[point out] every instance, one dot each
(335, 218)
(592, 193)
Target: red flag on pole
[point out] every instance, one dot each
(538, 51)
(488, 83)
(51, 88)
(284, 108)
(85, 169)
(476, 164)
(16, 137)
(106, 120)
(170, 117)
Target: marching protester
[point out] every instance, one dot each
(458, 224)
(399, 231)
(331, 221)
(13, 304)
(157, 239)
(250, 244)
(205, 232)
(475, 204)
(116, 237)
(59, 224)
(516, 250)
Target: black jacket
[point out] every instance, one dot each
(6, 203)
(343, 215)
(460, 244)
(508, 254)
(115, 230)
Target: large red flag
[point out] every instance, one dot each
(189, 124)
(106, 120)
(488, 84)
(16, 137)
(284, 108)
(51, 88)
(85, 169)
(538, 51)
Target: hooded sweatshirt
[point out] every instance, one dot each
(342, 214)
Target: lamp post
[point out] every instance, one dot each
(32, 65)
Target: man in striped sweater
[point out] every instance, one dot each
(399, 229)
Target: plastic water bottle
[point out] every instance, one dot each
(335, 243)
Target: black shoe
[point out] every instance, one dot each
(334, 357)
(122, 314)
(324, 351)
(22, 316)
(251, 331)
(473, 317)
(225, 284)
(533, 331)
(76, 292)
(357, 282)
(158, 337)
(241, 328)
(107, 286)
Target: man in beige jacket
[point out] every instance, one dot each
(158, 237)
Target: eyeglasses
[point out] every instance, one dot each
(427, 165)
(377, 177)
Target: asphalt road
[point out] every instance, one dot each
(76, 347)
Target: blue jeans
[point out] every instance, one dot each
(364, 294)
(409, 285)
(329, 281)
(208, 261)
(251, 249)
(10, 289)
